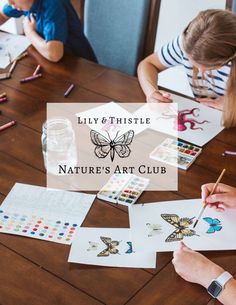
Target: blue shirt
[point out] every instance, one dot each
(214, 82)
(57, 20)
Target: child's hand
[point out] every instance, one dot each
(159, 96)
(194, 267)
(29, 25)
(224, 197)
(210, 102)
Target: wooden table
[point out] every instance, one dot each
(37, 272)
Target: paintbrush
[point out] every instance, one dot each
(211, 193)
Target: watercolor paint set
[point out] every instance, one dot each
(58, 231)
(123, 189)
(176, 153)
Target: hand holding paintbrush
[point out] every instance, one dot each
(212, 192)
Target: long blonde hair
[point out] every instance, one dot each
(210, 40)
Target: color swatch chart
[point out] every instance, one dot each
(37, 227)
(124, 189)
(176, 153)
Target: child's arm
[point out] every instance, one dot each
(196, 268)
(52, 50)
(3, 17)
(148, 70)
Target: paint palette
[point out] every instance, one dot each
(37, 227)
(123, 189)
(176, 153)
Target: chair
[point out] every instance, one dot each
(234, 5)
(116, 30)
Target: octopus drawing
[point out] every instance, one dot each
(184, 119)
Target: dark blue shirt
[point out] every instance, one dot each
(57, 20)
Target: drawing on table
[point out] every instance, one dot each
(183, 122)
(181, 225)
(92, 246)
(110, 246)
(119, 145)
(130, 250)
(154, 229)
(215, 224)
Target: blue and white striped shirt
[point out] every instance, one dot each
(214, 82)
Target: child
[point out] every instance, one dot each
(207, 50)
(196, 268)
(52, 26)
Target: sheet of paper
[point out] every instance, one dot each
(11, 46)
(168, 77)
(161, 226)
(51, 207)
(108, 247)
(195, 123)
(56, 230)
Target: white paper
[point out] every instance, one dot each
(196, 123)
(87, 245)
(168, 77)
(30, 199)
(11, 46)
(149, 230)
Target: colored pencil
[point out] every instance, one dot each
(68, 91)
(3, 94)
(212, 192)
(30, 78)
(7, 125)
(21, 56)
(37, 70)
(13, 66)
(3, 99)
(229, 153)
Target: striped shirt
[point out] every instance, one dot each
(214, 82)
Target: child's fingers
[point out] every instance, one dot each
(158, 97)
(209, 102)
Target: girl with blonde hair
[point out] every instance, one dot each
(207, 50)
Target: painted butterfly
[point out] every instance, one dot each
(111, 246)
(215, 224)
(154, 229)
(130, 250)
(104, 146)
(182, 227)
(93, 246)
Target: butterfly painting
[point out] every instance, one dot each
(92, 246)
(130, 250)
(215, 224)
(110, 246)
(182, 227)
(154, 229)
(119, 145)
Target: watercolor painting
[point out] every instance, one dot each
(181, 225)
(130, 250)
(111, 246)
(185, 119)
(176, 218)
(92, 246)
(154, 229)
(215, 224)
